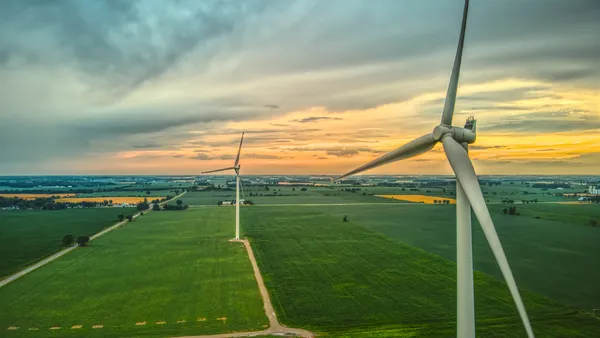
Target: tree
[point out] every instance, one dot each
(505, 211)
(266, 187)
(434, 201)
(293, 189)
(68, 240)
(143, 205)
(148, 192)
(156, 207)
(303, 189)
(130, 218)
(345, 219)
(121, 217)
(179, 202)
(82, 240)
(594, 223)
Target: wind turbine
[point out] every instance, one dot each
(236, 167)
(455, 141)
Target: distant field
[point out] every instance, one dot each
(171, 267)
(27, 236)
(285, 196)
(555, 256)
(419, 198)
(26, 196)
(347, 281)
(128, 193)
(114, 199)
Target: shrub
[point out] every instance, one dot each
(68, 240)
(82, 240)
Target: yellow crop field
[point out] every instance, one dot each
(418, 198)
(115, 199)
(34, 196)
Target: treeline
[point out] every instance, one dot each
(42, 203)
(47, 203)
(169, 207)
(550, 185)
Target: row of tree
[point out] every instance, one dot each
(511, 211)
(441, 201)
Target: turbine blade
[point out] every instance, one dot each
(453, 86)
(214, 171)
(463, 168)
(237, 159)
(411, 149)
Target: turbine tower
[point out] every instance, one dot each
(455, 141)
(236, 167)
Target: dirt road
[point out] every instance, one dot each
(275, 328)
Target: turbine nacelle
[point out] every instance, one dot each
(460, 135)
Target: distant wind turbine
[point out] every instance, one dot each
(455, 141)
(236, 167)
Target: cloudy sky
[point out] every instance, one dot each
(167, 87)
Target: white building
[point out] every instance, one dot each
(594, 190)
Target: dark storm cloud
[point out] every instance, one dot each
(128, 42)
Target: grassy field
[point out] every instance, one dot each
(555, 256)
(345, 280)
(27, 236)
(171, 267)
(26, 196)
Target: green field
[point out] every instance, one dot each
(345, 280)
(27, 236)
(165, 266)
(553, 258)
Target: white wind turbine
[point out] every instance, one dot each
(236, 167)
(455, 141)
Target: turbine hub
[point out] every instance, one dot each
(440, 130)
(460, 135)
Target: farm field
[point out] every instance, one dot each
(27, 236)
(344, 280)
(174, 273)
(554, 256)
(114, 199)
(26, 196)
(285, 196)
(129, 193)
(419, 198)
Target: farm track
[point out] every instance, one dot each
(275, 328)
(63, 252)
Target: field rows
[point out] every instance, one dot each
(344, 280)
(163, 267)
